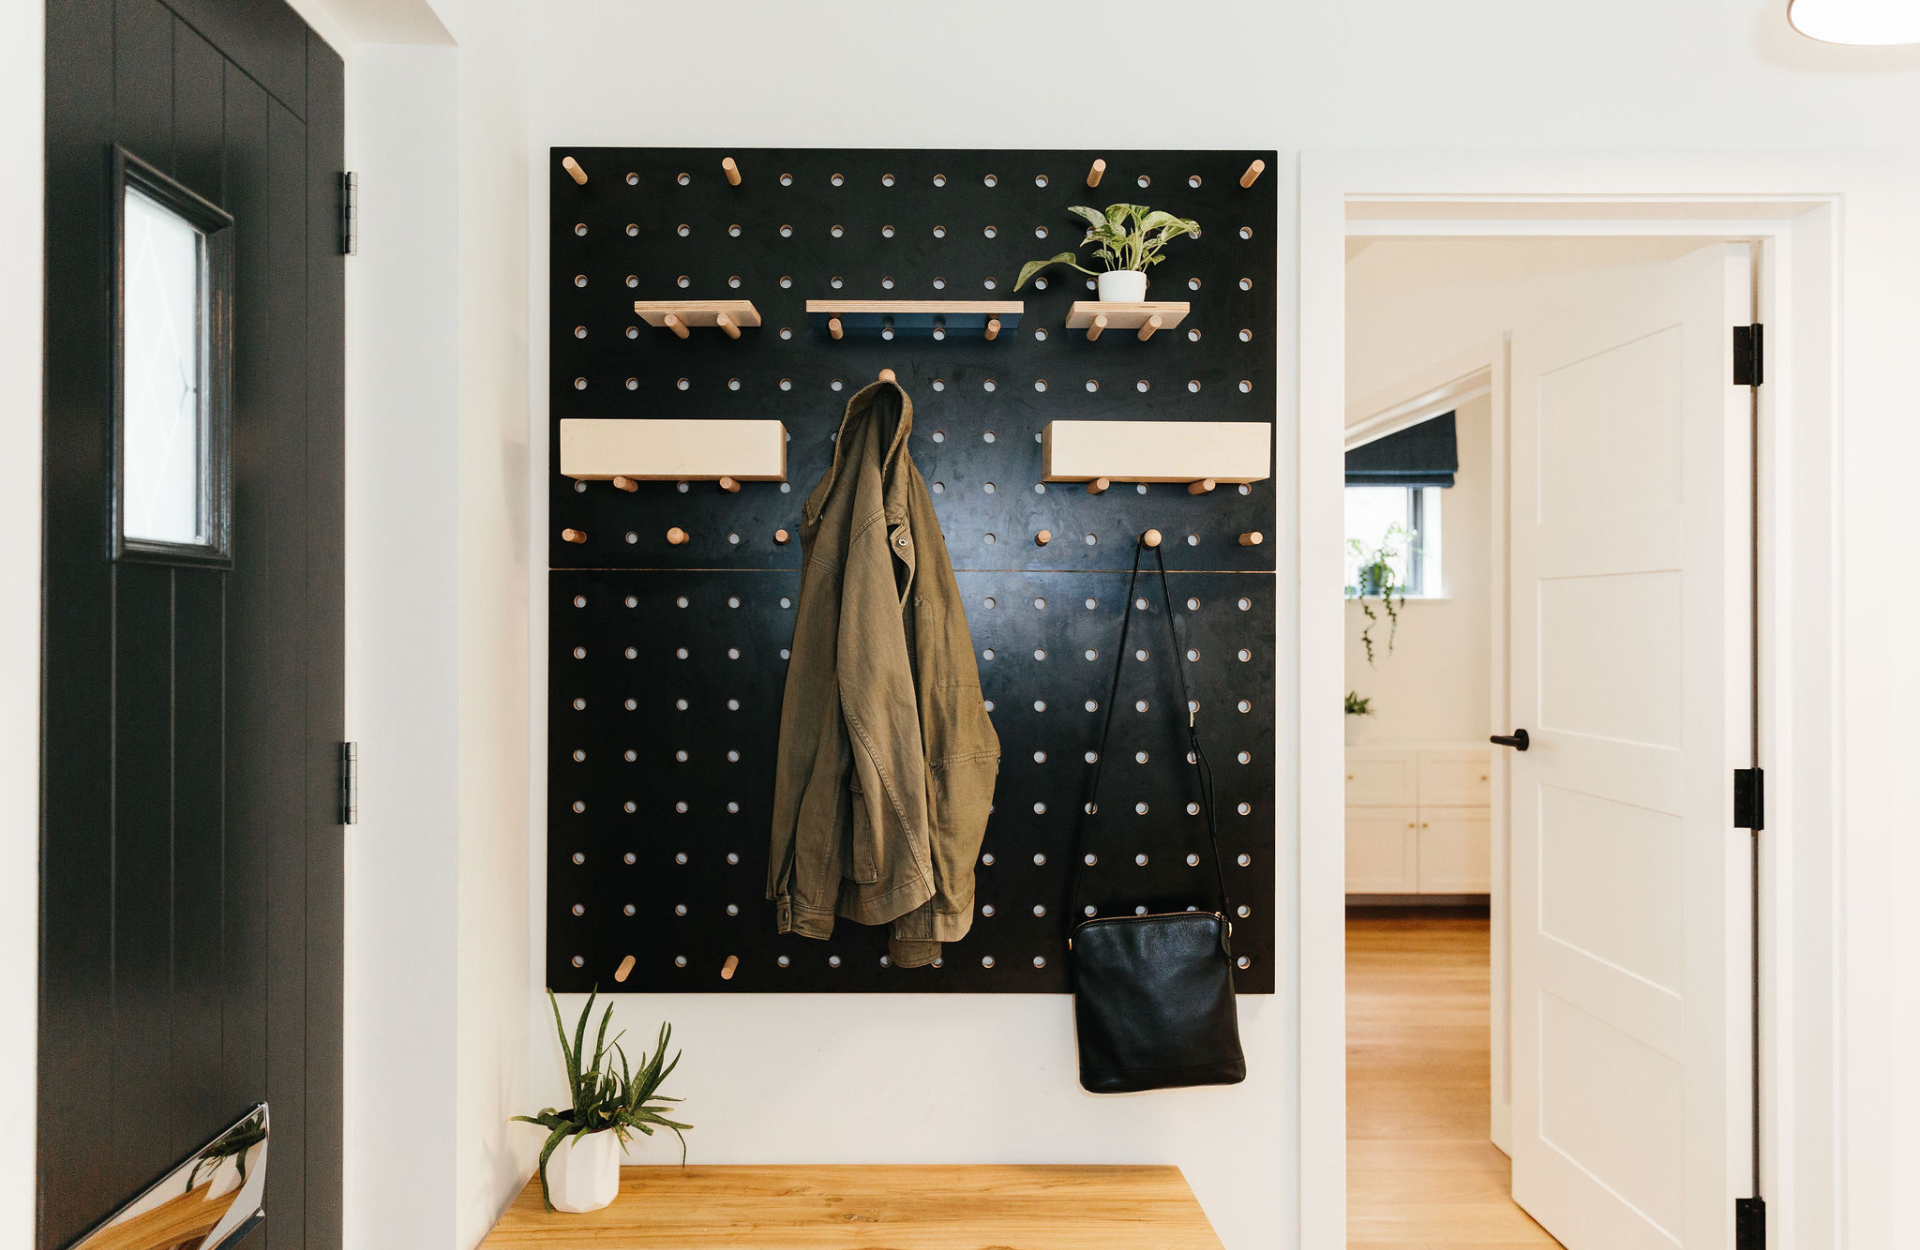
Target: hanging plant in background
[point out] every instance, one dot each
(1374, 576)
(1126, 238)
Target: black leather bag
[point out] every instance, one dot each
(1153, 1003)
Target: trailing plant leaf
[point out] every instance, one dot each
(1035, 266)
(1374, 576)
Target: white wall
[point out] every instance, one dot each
(22, 146)
(1432, 686)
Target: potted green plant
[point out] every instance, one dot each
(580, 1160)
(1127, 238)
(1357, 706)
(1375, 576)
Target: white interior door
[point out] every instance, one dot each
(1630, 619)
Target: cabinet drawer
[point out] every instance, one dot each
(1383, 853)
(1453, 857)
(1381, 778)
(1455, 778)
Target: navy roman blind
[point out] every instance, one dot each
(1420, 455)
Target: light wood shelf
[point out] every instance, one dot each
(867, 317)
(673, 450)
(1126, 316)
(1157, 451)
(696, 313)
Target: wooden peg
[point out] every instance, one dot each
(1097, 485)
(625, 968)
(726, 969)
(729, 485)
(674, 323)
(1099, 324)
(1043, 538)
(1148, 326)
(1252, 540)
(1151, 538)
(626, 484)
(1093, 175)
(1253, 171)
(676, 536)
(887, 375)
(731, 170)
(572, 167)
(993, 328)
(781, 537)
(726, 323)
(574, 536)
(834, 329)
(1200, 487)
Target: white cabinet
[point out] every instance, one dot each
(1417, 820)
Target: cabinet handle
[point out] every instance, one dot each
(1424, 825)
(1350, 777)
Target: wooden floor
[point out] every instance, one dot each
(1420, 1170)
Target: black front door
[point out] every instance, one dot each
(191, 852)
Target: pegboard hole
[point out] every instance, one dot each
(633, 332)
(1144, 181)
(733, 384)
(837, 230)
(1246, 232)
(679, 961)
(579, 705)
(989, 435)
(939, 488)
(786, 180)
(1246, 284)
(989, 602)
(1193, 336)
(783, 961)
(838, 180)
(939, 284)
(680, 858)
(681, 652)
(1244, 604)
(1039, 859)
(990, 284)
(1193, 180)
(1245, 757)
(987, 654)
(1193, 284)
(990, 539)
(1039, 757)
(1139, 757)
(1193, 540)
(1088, 909)
(630, 755)
(683, 230)
(633, 230)
(886, 180)
(1092, 655)
(580, 229)
(939, 180)
(987, 859)
(1092, 539)
(1193, 809)
(785, 333)
(886, 232)
(1039, 232)
(1039, 705)
(1243, 962)
(786, 281)
(835, 282)
(733, 757)
(579, 279)
(579, 961)
(681, 807)
(1040, 653)
(579, 653)
(786, 384)
(1039, 809)
(733, 857)
(1040, 336)
(992, 180)
(734, 230)
(684, 179)
(633, 384)
(939, 232)
(579, 488)
(1140, 489)
(684, 281)
(579, 601)
(1193, 656)
(1142, 385)
(579, 756)
(1246, 386)
(683, 384)
(786, 232)
(1193, 385)
(988, 487)
(1140, 705)
(1245, 809)
(833, 961)
(785, 602)
(992, 232)
(836, 384)
(682, 487)
(633, 180)
(734, 281)
(1193, 605)
(579, 384)
(579, 857)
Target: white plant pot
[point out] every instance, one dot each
(583, 1174)
(1123, 286)
(1355, 728)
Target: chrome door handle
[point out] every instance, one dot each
(1517, 740)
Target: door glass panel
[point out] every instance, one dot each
(165, 477)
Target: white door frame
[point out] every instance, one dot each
(1819, 217)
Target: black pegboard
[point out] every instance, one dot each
(616, 781)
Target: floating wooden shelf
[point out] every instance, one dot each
(673, 450)
(727, 314)
(1126, 316)
(914, 316)
(1157, 451)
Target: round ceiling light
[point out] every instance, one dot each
(1856, 21)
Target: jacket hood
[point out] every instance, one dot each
(876, 399)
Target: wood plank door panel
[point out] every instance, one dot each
(192, 862)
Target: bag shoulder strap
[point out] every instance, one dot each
(1090, 811)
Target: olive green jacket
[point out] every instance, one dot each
(887, 758)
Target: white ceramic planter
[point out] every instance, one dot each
(583, 1174)
(1123, 286)
(1355, 728)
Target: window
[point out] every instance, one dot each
(1405, 520)
(171, 467)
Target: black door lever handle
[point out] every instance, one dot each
(1517, 740)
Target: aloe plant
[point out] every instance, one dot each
(1126, 236)
(602, 1098)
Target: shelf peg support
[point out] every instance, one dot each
(1093, 175)
(726, 323)
(676, 536)
(674, 323)
(993, 328)
(573, 169)
(781, 537)
(1148, 326)
(1098, 485)
(573, 535)
(834, 329)
(1200, 487)
(1099, 324)
(1253, 171)
(887, 375)
(1151, 538)
(729, 485)
(731, 170)
(1043, 538)
(727, 968)
(624, 970)
(625, 483)
(1252, 540)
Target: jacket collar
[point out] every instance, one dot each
(859, 406)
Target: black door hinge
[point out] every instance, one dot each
(349, 214)
(1749, 1224)
(1749, 355)
(1749, 799)
(349, 783)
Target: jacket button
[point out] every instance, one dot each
(901, 541)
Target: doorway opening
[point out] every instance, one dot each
(1547, 527)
